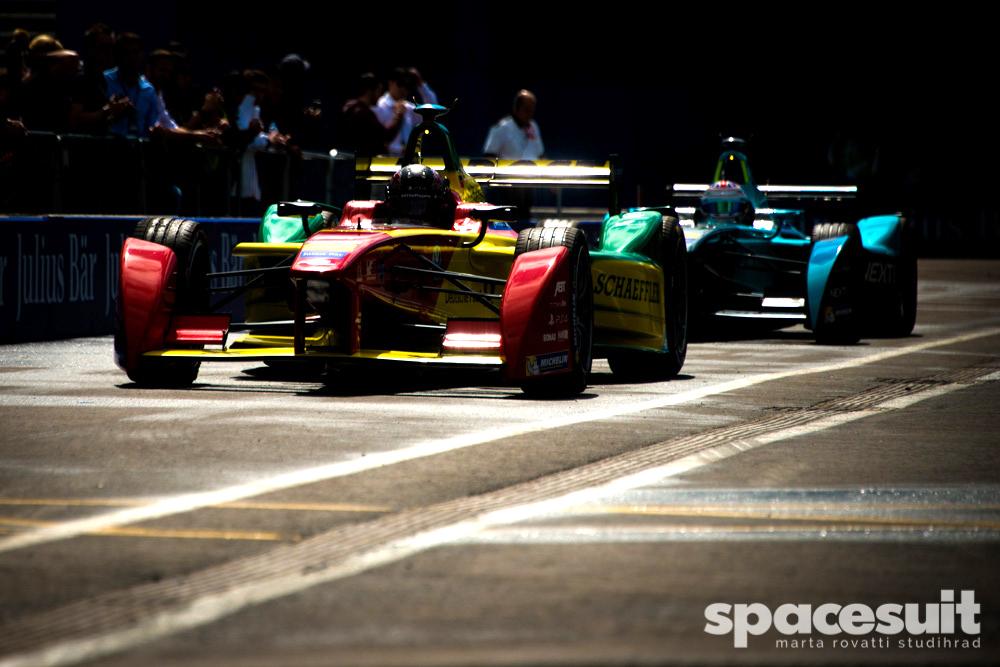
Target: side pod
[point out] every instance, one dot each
(536, 315)
(145, 299)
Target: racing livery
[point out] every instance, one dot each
(751, 263)
(431, 274)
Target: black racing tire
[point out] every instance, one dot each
(647, 366)
(830, 230)
(836, 334)
(904, 317)
(581, 290)
(190, 243)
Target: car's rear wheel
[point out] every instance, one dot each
(189, 242)
(581, 293)
(904, 315)
(641, 365)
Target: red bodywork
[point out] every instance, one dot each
(146, 303)
(145, 299)
(371, 268)
(535, 316)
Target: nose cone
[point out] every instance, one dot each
(333, 251)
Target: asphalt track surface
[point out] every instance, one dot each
(266, 519)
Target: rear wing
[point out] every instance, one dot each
(814, 192)
(491, 171)
(375, 172)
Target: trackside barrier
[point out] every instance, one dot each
(50, 173)
(59, 274)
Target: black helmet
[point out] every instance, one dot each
(417, 191)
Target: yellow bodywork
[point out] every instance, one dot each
(628, 303)
(493, 257)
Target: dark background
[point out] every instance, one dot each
(657, 86)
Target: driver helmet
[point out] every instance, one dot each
(417, 191)
(725, 200)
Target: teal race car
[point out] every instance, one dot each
(753, 267)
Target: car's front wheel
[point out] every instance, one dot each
(189, 242)
(574, 382)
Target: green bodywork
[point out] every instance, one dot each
(629, 289)
(278, 229)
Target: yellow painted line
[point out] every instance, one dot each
(779, 515)
(243, 505)
(134, 531)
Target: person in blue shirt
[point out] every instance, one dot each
(125, 83)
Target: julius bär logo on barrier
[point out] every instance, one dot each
(947, 624)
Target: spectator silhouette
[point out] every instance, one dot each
(46, 102)
(183, 98)
(91, 111)
(125, 83)
(160, 73)
(284, 105)
(517, 137)
(366, 134)
(403, 84)
(248, 121)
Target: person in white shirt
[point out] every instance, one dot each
(402, 85)
(517, 136)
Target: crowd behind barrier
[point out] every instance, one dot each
(114, 175)
(68, 200)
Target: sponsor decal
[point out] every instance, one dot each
(60, 280)
(436, 255)
(560, 288)
(467, 298)
(374, 271)
(883, 273)
(67, 274)
(327, 254)
(552, 337)
(832, 314)
(460, 298)
(626, 287)
(540, 364)
(949, 623)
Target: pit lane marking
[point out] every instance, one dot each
(72, 634)
(199, 500)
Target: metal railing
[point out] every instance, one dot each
(110, 175)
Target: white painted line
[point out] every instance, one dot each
(195, 501)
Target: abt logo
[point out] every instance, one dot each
(941, 618)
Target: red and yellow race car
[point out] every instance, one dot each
(431, 274)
